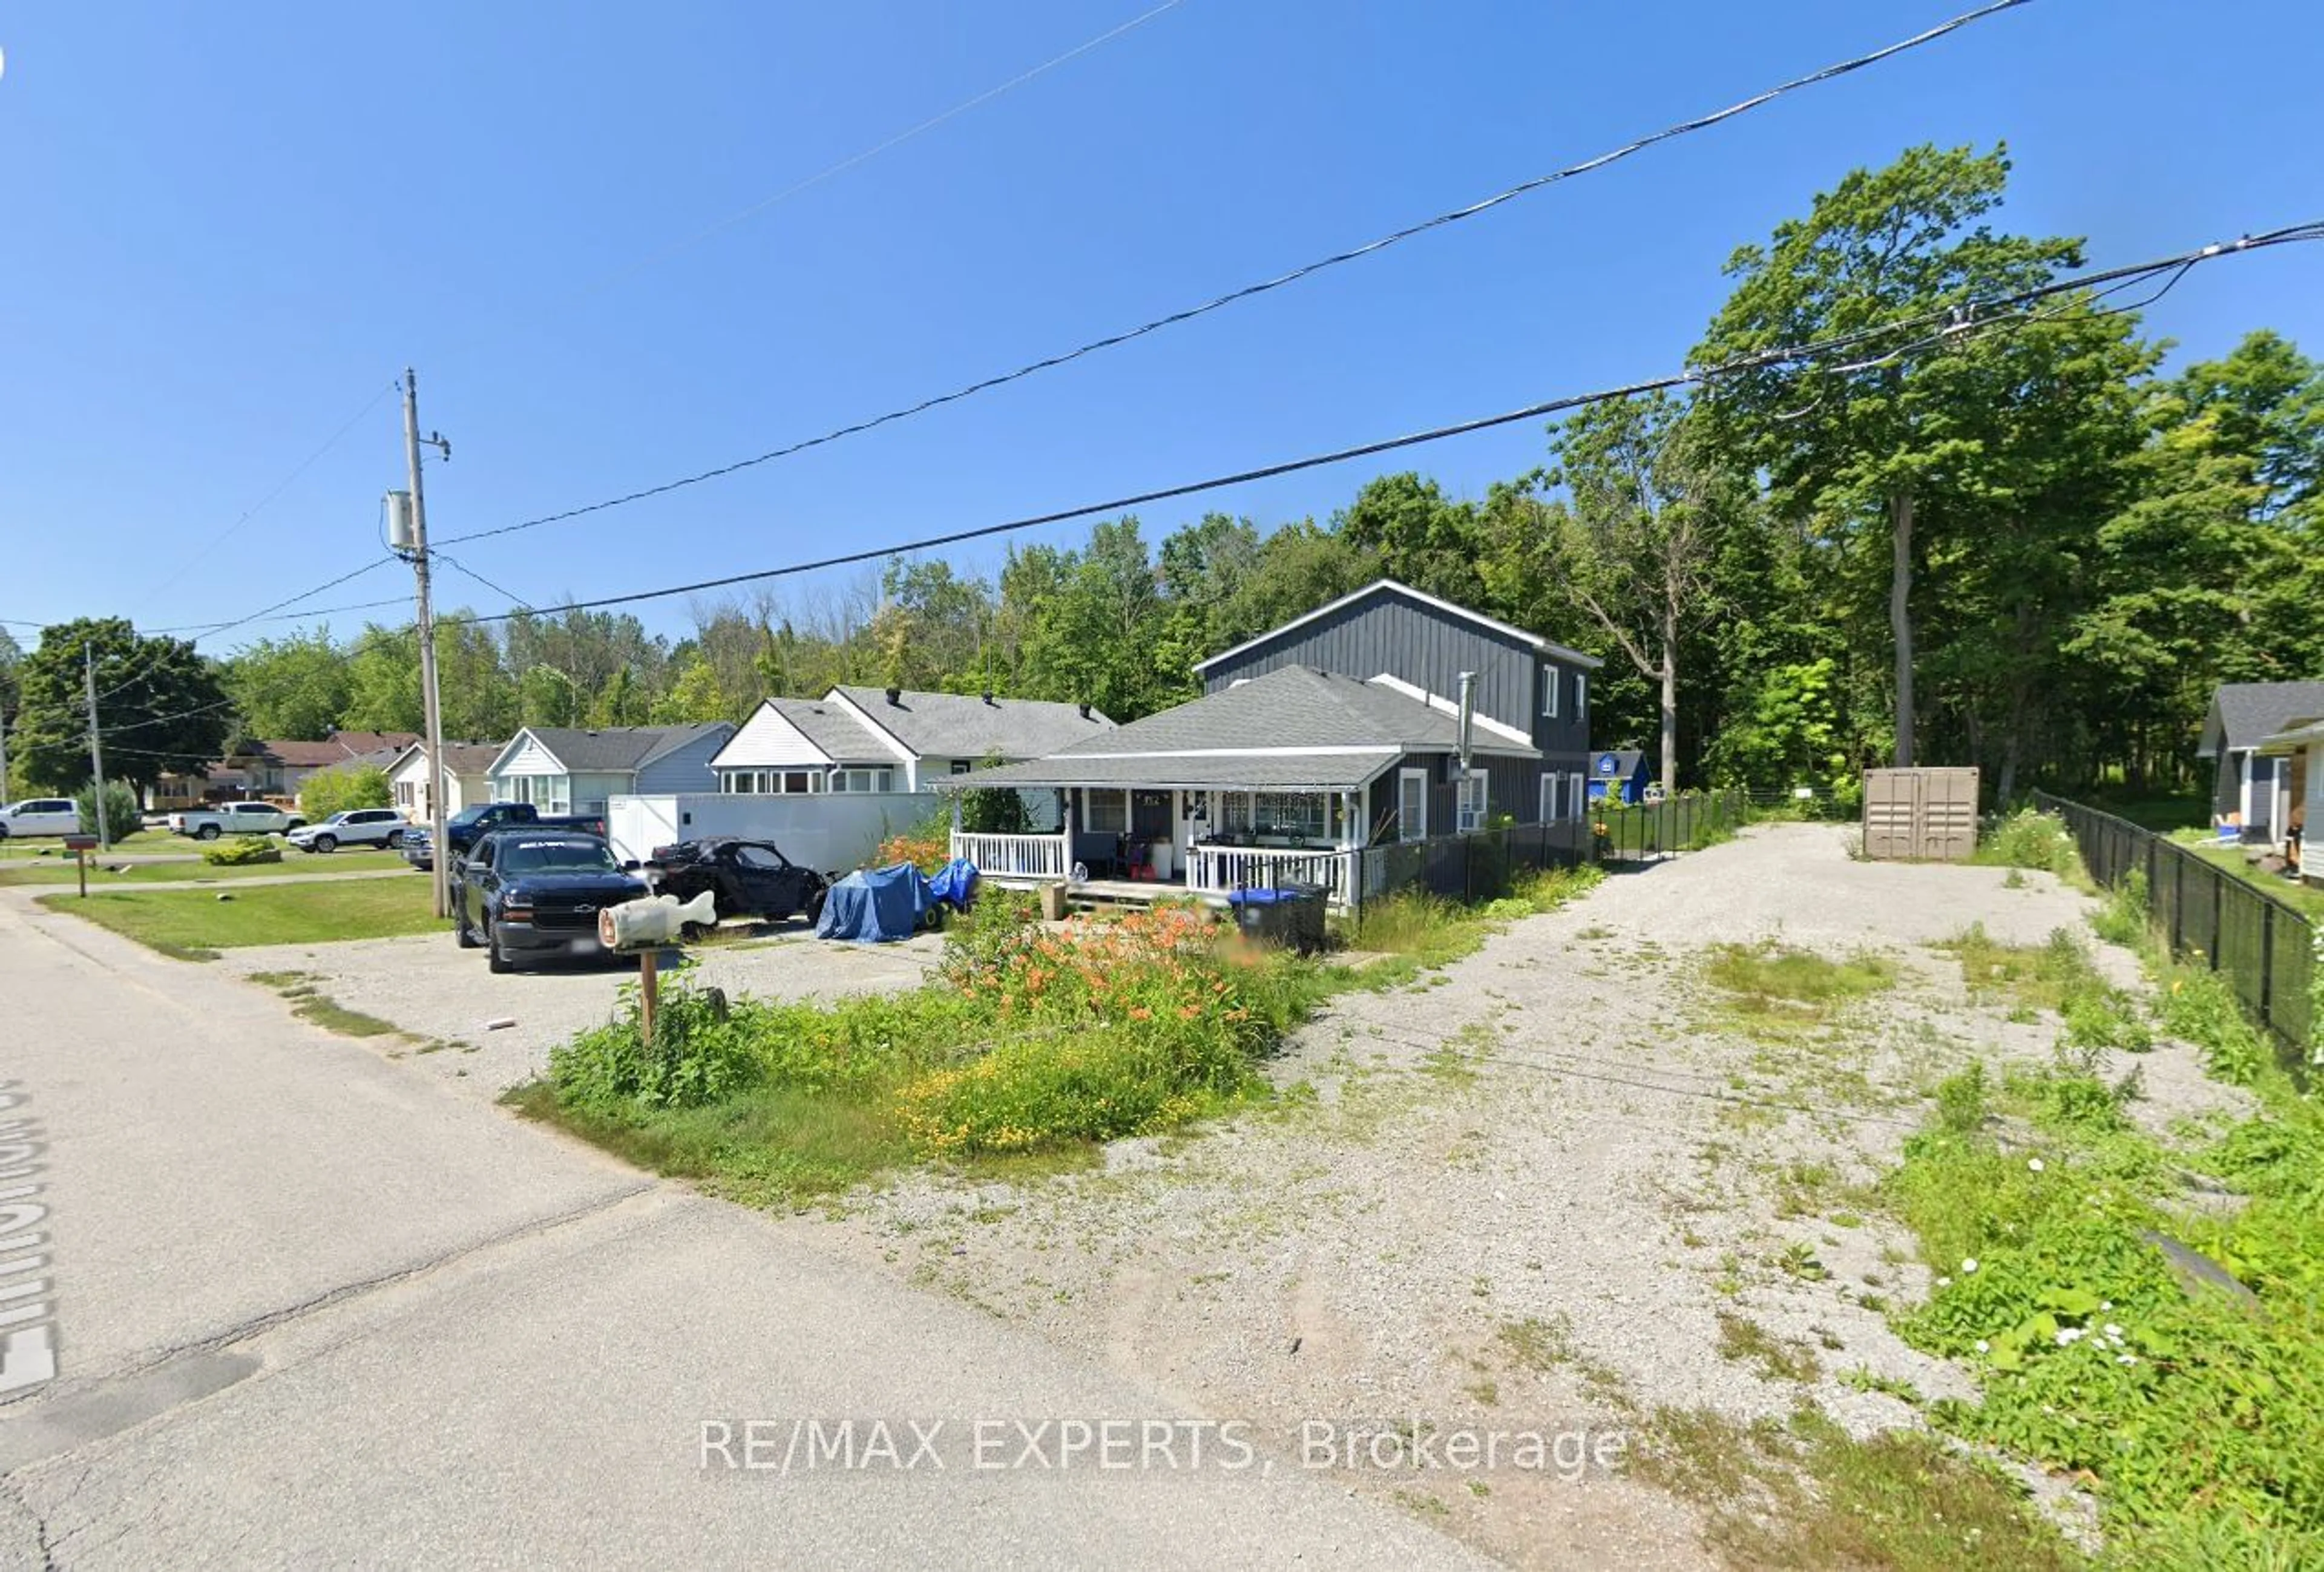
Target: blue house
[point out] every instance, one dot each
(1619, 775)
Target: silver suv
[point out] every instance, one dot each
(352, 827)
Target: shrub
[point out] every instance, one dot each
(927, 845)
(2201, 1007)
(2123, 919)
(701, 1052)
(123, 813)
(242, 850)
(335, 790)
(2029, 839)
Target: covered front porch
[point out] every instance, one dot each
(1206, 841)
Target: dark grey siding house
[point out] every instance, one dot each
(2252, 789)
(1523, 681)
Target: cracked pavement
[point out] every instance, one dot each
(313, 1307)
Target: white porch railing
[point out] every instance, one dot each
(1218, 870)
(1013, 856)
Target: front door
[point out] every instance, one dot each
(2259, 824)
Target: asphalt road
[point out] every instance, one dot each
(310, 1307)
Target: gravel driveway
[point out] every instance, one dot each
(1504, 1194)
(446, 998)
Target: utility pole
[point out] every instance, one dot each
(439, 860)
(96, 749)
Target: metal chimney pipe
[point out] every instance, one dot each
(1468, 714)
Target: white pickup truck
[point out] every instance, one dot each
(235, 819)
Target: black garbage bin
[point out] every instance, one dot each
(1291, 915)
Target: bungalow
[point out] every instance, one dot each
(467, 778)
(2250, 790)
(1619, 775)
(278, 768)
(573, 770)
(871, 739)
(1386, 716)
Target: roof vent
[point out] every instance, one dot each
(895, 696)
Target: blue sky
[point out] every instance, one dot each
(228, 227)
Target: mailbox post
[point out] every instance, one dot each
(642, 928)
(80, 845)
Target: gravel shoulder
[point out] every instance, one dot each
(1549, 1174)
(444, 1001)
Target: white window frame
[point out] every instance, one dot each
(1552, 807)
(1416, 781)
(1581, 696)
(1468, 816)
(1577, 795)
(1551, 679)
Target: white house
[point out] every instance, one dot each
(467, 778)
(872, 739)
(576, 769)
(2250, 792)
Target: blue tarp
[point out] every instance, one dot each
(874, 905)
(954, 884)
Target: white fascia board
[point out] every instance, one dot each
(1443, 705)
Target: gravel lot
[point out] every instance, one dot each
(444, 995)
(1497, 1195)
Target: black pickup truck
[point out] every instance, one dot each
(464, 829)
(530, 893)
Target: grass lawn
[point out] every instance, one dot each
(29, 848)
(2303, 898)
(2150, 811)
(52, 872)
(195, 924)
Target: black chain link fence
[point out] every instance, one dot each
(1480, 865)
(2263, 946)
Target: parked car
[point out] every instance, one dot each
(418, 848)
(39, 816)
(352, 827)
(464, 829)
(746, 878)
(528, 894)
(235, 819)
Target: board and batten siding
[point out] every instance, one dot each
(1385, 632)
(531, 759)
(684, 769)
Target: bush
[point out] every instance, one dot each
(241, 850)
(335, 790)
(703, 1051)
(2029, 839)
(123, 813)
(927, 845)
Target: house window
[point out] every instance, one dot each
(1412, 805)
(1105, 813)
(1581, 696)
(1549, 686)
(1474, 790)
(1306, 814)
(1552, 805)
(862, 779)
(1577, 796)
(963, 766)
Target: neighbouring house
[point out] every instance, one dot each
(579, 769)
(895, 739)
(467, 778)
(2297, 755)
(1386, 716)
(2250, 790)
(1620, 775)
(278, 768)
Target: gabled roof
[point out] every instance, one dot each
(1392, 588)
(612, 749)
(1294, 726)
(2246, 714)
(459, 758)
(833, 729)
(967, 725)
(338, 748)
(1626, 760)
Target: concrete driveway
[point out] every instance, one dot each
(309, 1308)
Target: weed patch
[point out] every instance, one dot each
(1771, 985)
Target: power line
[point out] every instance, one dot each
(256, 508)
(843, 165)
(511, 596)
(1959, 321)
(1280, 281)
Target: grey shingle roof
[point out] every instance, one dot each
(2248, 713)
(1346, 730)
(618, 747)
(964, 726)
(829, 727)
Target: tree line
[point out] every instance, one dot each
(2023, 547)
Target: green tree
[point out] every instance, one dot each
(1861, 441)
(694, 696)
(161, 708)
(546, 697)
(294, 688)
(1418, 536)
(338, 790)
